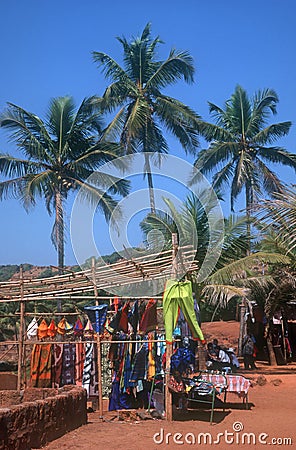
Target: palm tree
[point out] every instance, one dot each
(60, 154)
(235, 276)
(143, 110)
(241, 146)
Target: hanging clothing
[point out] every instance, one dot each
(149, 318)
(79, 362)
(41, 363)
(87, 366)
(57, 365)
(88, 330)
(183, 324)
(139, 365)
(78, 328)
(123, 321)
(52, 329)
(68, 367)
(133, 316)
(178, 294)
(32, 329)
(151, 362)
(42, 329)
(61, 326)
(97, 315)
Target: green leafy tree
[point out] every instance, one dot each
(143, 111)
(234, 275)
(241, 146)
(60, 154)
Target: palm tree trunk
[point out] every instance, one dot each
(150, 184)
(60, 237)
(249, 201)
(60, 231)
(271, 354)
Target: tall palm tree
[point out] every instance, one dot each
(60, 153)
(144, 112)
(241, 145)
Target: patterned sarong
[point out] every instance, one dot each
(41, 363)
(68, 368)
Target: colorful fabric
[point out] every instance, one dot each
(97, 315)
(68, 368)
(42, 329)
(32, 329)
(123, 322)
(41, 363)
(61, 326)
(149, 318)
(88, 329)
(57, 365)
(133, 316)
(87, 367)
(79, 362)
(235, 383)
(139, 365)
(178, 294)
(151, 362)
(182, 359)
(78, 328)
(68, 327)
(52, 329)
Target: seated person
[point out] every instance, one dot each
(218, 359)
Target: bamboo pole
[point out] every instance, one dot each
(21, 334)
(169, 345)
(99, 353)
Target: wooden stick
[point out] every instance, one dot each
(21, 335)
(99, 354)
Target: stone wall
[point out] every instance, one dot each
(33, 417)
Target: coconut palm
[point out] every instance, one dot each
(241, 145)
(143, 111)
(60, 153)
(234, 275)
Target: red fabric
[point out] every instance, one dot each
(123, 322)
(149, 318)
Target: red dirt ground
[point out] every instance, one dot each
(271, 416)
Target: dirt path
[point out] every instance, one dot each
(271, 416)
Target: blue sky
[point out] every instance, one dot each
(46, 52)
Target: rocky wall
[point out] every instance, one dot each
(30, 419)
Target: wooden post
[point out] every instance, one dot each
(21, 333)
(99, 353)
(242, 326)
(169, 345)
(283, 337)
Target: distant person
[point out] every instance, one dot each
(248, 353)
(233, 359)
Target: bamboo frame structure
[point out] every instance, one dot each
(86, 285)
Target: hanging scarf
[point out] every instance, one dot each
(97, 315)
(68, 367)
(57, 364)
(52, 329)
(41, 363)
(42, 329)
(32, 329)
(149, 318)
(79, 362)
